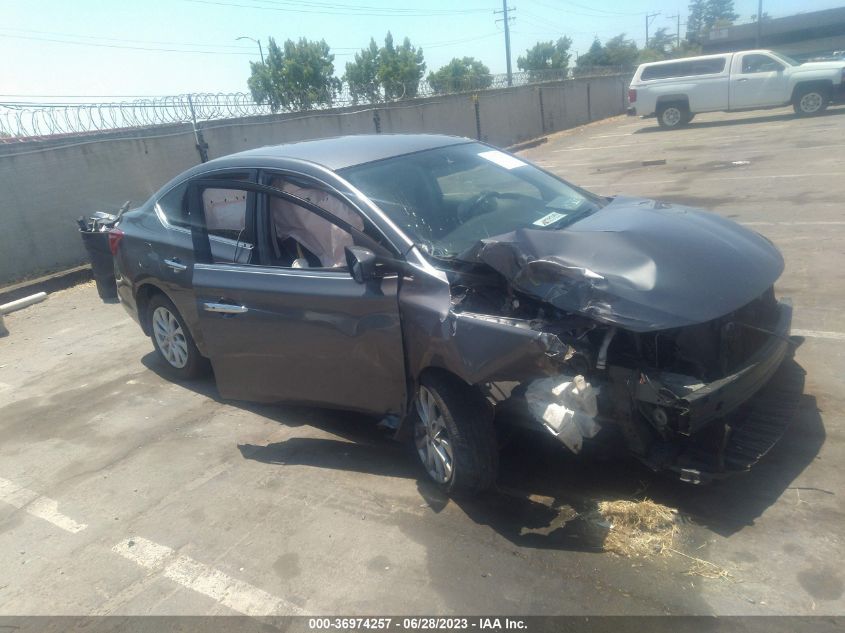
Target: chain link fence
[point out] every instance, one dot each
(29, 120)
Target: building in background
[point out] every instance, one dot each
(803, 36)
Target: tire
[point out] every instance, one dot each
(671, 116)
(811, 101)
(172, 340)
(453, 436)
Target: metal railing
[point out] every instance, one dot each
(28, 120)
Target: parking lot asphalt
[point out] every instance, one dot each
(124, 493)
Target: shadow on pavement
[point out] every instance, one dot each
(770, 118)
(543, 493)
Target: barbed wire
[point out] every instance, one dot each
(31, 120)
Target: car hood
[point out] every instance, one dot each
(638, 264)
(828, 65)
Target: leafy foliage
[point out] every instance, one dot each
(466, 73)
(546, 56)
(296, 77)
(389, 72)
(617, 51)
(705, 14)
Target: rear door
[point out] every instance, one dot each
(175, 253)
(292, 324)
(757, 80)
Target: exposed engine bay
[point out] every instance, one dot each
(673, 395)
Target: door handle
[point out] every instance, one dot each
(175, 265)
(224, 308)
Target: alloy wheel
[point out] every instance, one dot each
(170, 337)
(672, 116)
(433, 443)
(810, 102)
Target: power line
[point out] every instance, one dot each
(123, 39)
(603, 13)
(294, 8)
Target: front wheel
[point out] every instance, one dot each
(454, 435)
(172, 341)
(810, 101)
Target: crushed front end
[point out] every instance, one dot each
(703, 401)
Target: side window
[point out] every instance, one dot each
(760, 64)
(298, 237)
(230, 224)
(225, 212)
(174, 206)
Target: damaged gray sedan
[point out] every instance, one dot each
(450, 289)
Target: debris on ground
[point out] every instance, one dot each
(637, 528)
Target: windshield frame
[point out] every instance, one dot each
(786, 59)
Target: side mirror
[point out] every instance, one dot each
(361, 263)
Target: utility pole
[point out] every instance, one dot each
(759, 23)
(648, 18)
(506, 20)
(252, 39)
(678, 32)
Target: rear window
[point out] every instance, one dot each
(689, 68)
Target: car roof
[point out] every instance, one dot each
(340, 152)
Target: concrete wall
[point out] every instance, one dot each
(46, 185)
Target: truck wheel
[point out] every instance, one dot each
(454, 436)
(671, 116)
(810, 101)
(173, 342)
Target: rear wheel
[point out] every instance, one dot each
(810, 101)
(454, 436)
(671, 116)
(172, 340)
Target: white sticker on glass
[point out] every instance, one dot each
(502, 159)
(553, 217)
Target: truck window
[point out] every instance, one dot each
(686, 68)
(755, 63)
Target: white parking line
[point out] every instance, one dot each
(804, 223)
(832, 336)
(36, 505)
(230, 592)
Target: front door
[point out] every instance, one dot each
(293, 325)
(760, 82)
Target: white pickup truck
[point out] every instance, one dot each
(676, 90)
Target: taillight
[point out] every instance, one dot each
(632, 95)
(115, 235)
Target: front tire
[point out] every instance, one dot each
(454, 435)
(811, 101)
(671, 116)
(172, 340)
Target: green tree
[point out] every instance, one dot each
(296, 77)
(705, 14)
(621, 52)
(388, 72)
(546, 56)
(400, 69)
(720, 13)
(596, 56)
(695, 20)
(467, 73)
(362, 75)
(662, 42)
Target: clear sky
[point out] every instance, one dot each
(159, 47)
